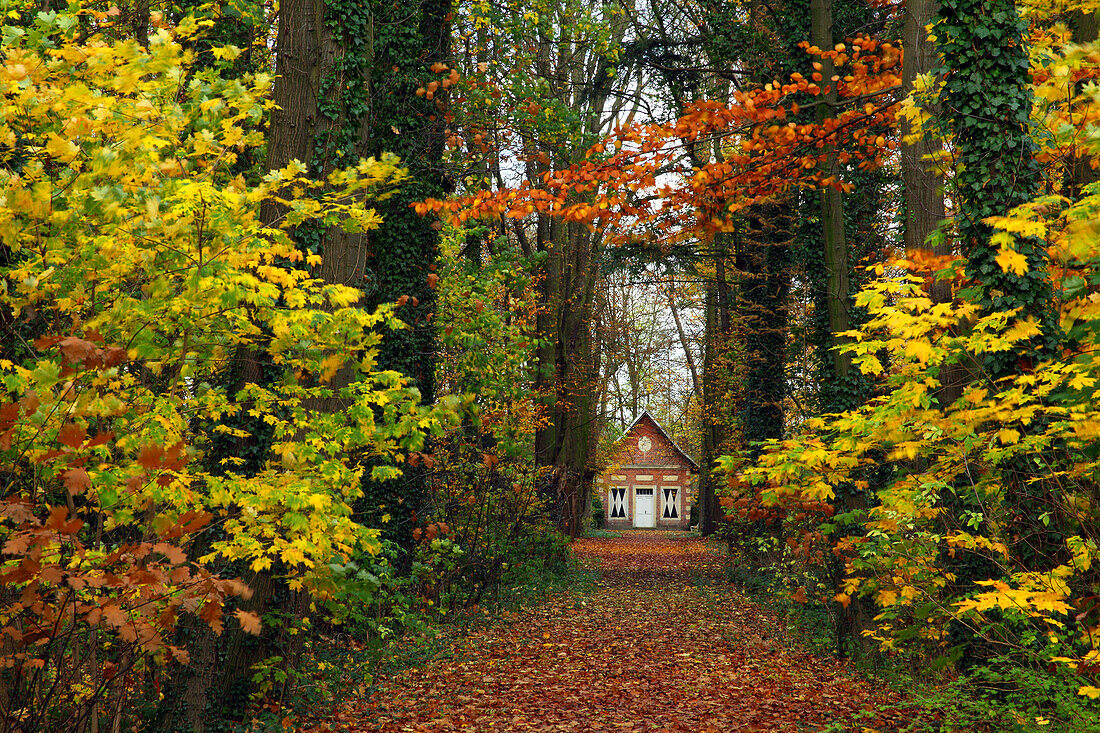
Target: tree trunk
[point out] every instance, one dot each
(329, 109)
(685, 344)
(988, 102)
(707, 501)
(1085, 27)
(300, 63)
(923, 186)
(763, 263)
(923, 180)
(832, 204)
(406, 41)
(568, 370)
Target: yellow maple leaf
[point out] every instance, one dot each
(1081, 381)
(293, 555)
(870, 364)
(975, 395)
(1011, 261)
(60, 148)
(330, 366)
(1024, 329)
(1053, 602)
(919, 349)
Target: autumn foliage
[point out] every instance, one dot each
(137, 274)
(622, 185)
(966, 525)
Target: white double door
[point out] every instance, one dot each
(645, 506)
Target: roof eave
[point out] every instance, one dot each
(645, 413)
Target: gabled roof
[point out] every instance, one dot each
(661, 430)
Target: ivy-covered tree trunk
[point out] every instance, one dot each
(987, 99)
(764, 260)
(347, 77)
(401, 254)
(834, 240)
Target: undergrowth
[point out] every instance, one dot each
(350, 660)
(1001, 696)
(601, 533)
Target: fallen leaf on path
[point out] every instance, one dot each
(648, 650)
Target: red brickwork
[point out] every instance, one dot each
(662, 452)
(649, 481)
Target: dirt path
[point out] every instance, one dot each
(648, 650)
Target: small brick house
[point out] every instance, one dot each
(649, 481)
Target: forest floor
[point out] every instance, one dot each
(658, 642)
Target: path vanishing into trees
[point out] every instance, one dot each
(658, 642)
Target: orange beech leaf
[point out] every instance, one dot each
(76, 349)
(76, 480)
(250, 622)
(150, 457)
(644, 649)
(114, 615)
(71, 435)
(99, 439)
(175, 555)
(779, 156)
(17, 545)
(9, 413)
(57, 518)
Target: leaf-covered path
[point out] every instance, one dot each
(649, 648)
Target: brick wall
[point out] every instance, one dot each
(662, 453)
